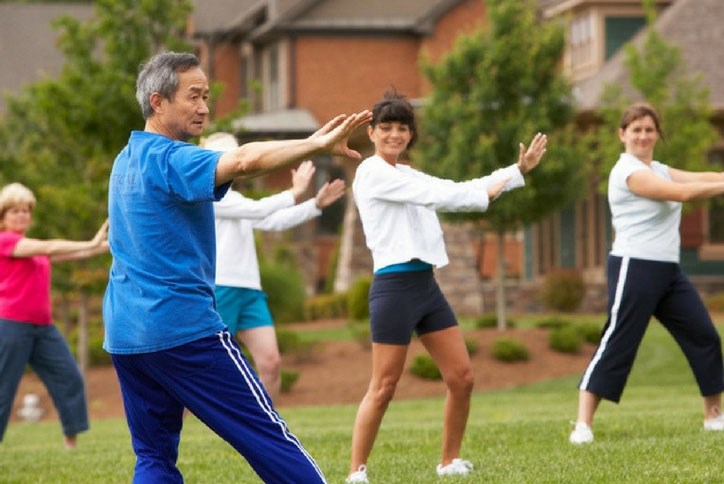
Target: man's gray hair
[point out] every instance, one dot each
(160, 74)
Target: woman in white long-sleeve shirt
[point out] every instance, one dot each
(240, 300)
(397, 206)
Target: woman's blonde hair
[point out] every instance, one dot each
(13, 195)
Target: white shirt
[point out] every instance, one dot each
(236, 217)
(398, 205)
(645, 228)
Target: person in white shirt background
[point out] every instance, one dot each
(644, 276)
(397, 206)
(239, 296)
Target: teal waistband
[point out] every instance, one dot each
(409, 266)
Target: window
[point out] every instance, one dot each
(581, 39)
(620, 30)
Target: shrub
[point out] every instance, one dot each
(553, 322)
(472, 345)
(289, 378)
(563, 290)
(715, 303)
(424, 367)
(358, 298)
(590, 332)
(291, 342)
(508, 349)
(325, 306)
(284, 285)
(567, 339)
(97, 356)
(490, 320)
(361, 333)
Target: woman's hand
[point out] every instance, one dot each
(301, 177)
(529, 159)
(101, 235)
(330, 193)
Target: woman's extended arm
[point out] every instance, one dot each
(62, 248)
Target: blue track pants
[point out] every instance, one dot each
(215, 382)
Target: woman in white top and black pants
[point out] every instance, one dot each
(397, 206)
(644, 276)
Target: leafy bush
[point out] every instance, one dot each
(97, 356)
(358, 298)
(289, 378)
(472, 345)
(291, 342)
(490, 320)
(424, 367)
(325, 306)
(553, 322)
(567, 339)
(284, 285)
(590, 332)
(361, 333)
(563, 290)
(715, 303)
(509, 349)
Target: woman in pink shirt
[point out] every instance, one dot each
(27, 334)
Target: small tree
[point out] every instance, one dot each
(495, 89)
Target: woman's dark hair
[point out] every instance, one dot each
(394, 107)
(638, 111)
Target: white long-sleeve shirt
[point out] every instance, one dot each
(398, 207)
(236, 217)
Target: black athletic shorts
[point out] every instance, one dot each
(403, 302)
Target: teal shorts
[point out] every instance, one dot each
(241, 308)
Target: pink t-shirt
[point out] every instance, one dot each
(24, 284)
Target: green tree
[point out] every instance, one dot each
(61, 135)
(658, 76)
(496, 88)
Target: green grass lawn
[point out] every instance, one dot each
(517, 435)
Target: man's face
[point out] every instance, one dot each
(184, 117)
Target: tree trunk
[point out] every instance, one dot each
(83, 332)
(480, 261)
(500, 286)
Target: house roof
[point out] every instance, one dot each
(28, 43)
(243, 16)
(222, 16)
(696, 27)
(276, 122)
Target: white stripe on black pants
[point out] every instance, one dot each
(637, 290)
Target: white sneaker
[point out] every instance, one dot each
(715, 424)
(457, 467)
(582, 434)
(358, 476)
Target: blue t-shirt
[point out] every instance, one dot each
(160, 290)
